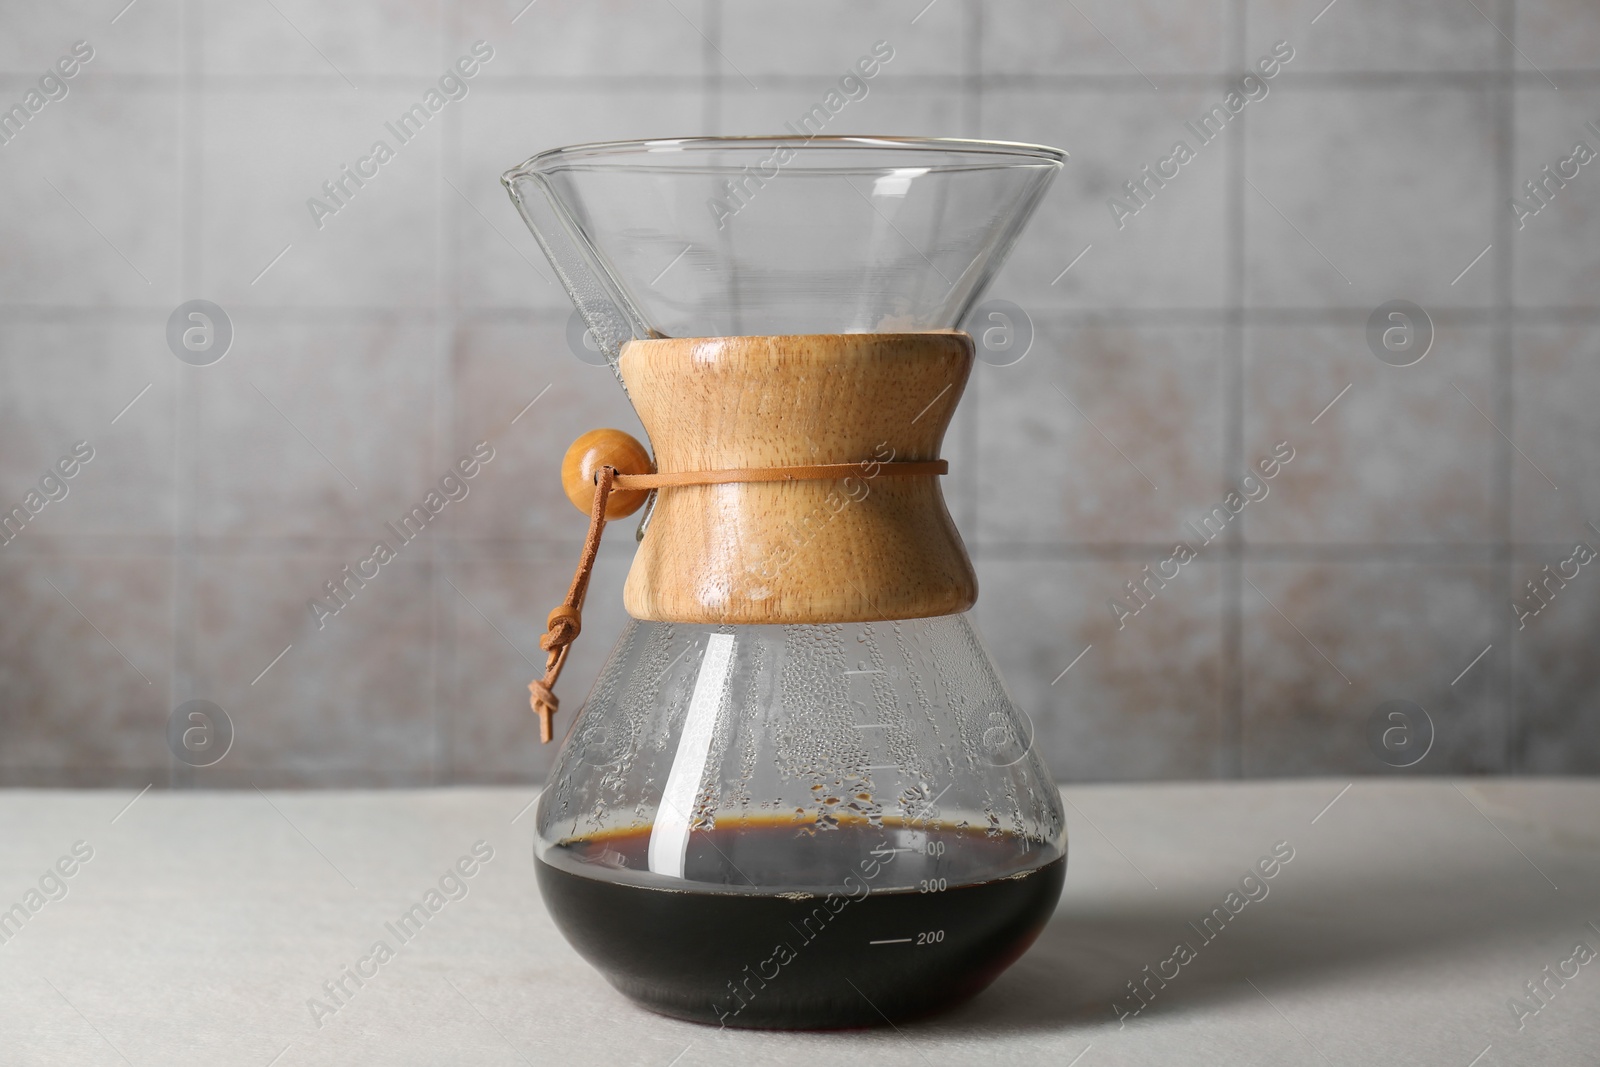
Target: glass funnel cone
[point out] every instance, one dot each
(720, 237)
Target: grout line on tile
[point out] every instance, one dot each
(1503, 296)
(1231, 735)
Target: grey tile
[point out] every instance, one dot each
(84, 694)
(499, 368)
(144, 39)
(1144, 701)
(1555, 34)
(296, 37)
(1401, 457)
(1364, 197)
(350, 702)
(77, 235)
(1324, 644)
(499, 263)
(1170, 254)
(889, 108)
(590, 38)
(1555, 426)
(499, 613)
(266, 158)
(1140, 453)
(1370, 35)
(63, 382)
(829, 37)
(318, 426)
(1104, 37)
(1553, 233)
(1557, 683)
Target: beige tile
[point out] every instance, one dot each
(1401, 457)
(1553, 267)
(1144, 701)
(1139, 454)
(1324, 644)
(1104, 37)
(350, 703)
(1371, 35)
(85, 668)
(1170, 254)
(1554, 424)
(1363, 197)
(319, 426)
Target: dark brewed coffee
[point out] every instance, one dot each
(964, 904)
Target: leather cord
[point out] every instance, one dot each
(566, 620)
(812, 472)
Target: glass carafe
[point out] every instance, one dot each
(798, 794)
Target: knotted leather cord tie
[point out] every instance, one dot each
(566, 620)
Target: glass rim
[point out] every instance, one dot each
(621, 155)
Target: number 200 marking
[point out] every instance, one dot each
(930, 937)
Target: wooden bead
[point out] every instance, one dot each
(604, 448)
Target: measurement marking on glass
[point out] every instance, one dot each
(846, 674)
(883, 766)
(892, 941)
(869, 726)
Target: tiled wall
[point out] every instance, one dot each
(1222, 318)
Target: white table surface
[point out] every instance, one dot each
(1412, 912)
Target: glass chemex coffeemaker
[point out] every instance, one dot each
(798, 795)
